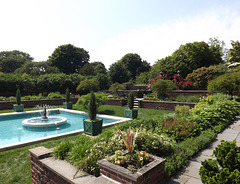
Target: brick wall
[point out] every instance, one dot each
(162, 105)
(151, 173)
(117, 102)
(45, 169)
(33, 103)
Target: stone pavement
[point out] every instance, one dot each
(190, 175)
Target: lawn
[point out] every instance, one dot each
(15, 164)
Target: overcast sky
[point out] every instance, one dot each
(109, 29)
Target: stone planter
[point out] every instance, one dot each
(92, 127)
(18, 108)
(151, 173)
(131, 113)
(67, 105)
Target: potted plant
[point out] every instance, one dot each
(93, 125)
(68, 103)
(130, 112)
(19, 107)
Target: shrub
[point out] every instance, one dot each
(201, 76)
(55, 95)
(92, 110)
(130, 100)
(179, 129)
(228, 158)
(116, 87)
(162, 87)
(101, 99)
(153, 143)
(88, 85)
(187, 98)
(182, 110)
(18, 97)
(226, 83)
(67, 95)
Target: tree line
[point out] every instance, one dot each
(70, 65)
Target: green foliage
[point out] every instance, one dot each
(61, 150)
(37, 68)
(210, 111)
(67, 95)
(116, 87)
(18, 97)
(234, 52)
(68, 58)
(162, 87)
(12, 60)
(179, 129)
(153, 143)
(92, 110)
(186, 59)
(39, 84)
(130, 100)
(143, 78)
(228, 157)
(201, 76)
(182, 110)
(139, 94)
(104, 81)
(88, 85)
(186, 98)
(226, 83)
(100, 99)
(55, 95)
(93, 68)
(118, 73)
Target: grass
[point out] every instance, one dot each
(15, 164)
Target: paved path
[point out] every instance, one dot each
(190, 175)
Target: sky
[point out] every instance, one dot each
(109, 29)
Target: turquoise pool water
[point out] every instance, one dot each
(12, 131)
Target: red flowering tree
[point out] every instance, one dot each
(182, 83)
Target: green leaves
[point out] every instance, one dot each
(228, 157)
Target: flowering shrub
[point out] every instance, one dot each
(180, 129)
(182, 83)
(154, 79)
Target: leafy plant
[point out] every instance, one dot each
(18, 97)
(67, 95)
(100, 99)
(228, 157)
(182, 110)
(130, 100)
(55, 95)
(92, 111)
(162, 87)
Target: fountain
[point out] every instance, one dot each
(44, 121)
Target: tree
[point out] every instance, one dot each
(234, 52)
(37, 68)
(69, 59)
(218, 49)
(88, 85)
(118, 73)
(93, 69)
(188, 58)
(134, 64)
(11, 60)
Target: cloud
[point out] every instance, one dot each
(156, 42)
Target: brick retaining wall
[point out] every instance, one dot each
(33, 103)
(162, 105)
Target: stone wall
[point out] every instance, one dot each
(33, 103)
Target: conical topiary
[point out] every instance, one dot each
(18, 97)
(67, 95)
(130, 100)
(92, 111)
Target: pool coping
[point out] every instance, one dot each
(52, 137)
